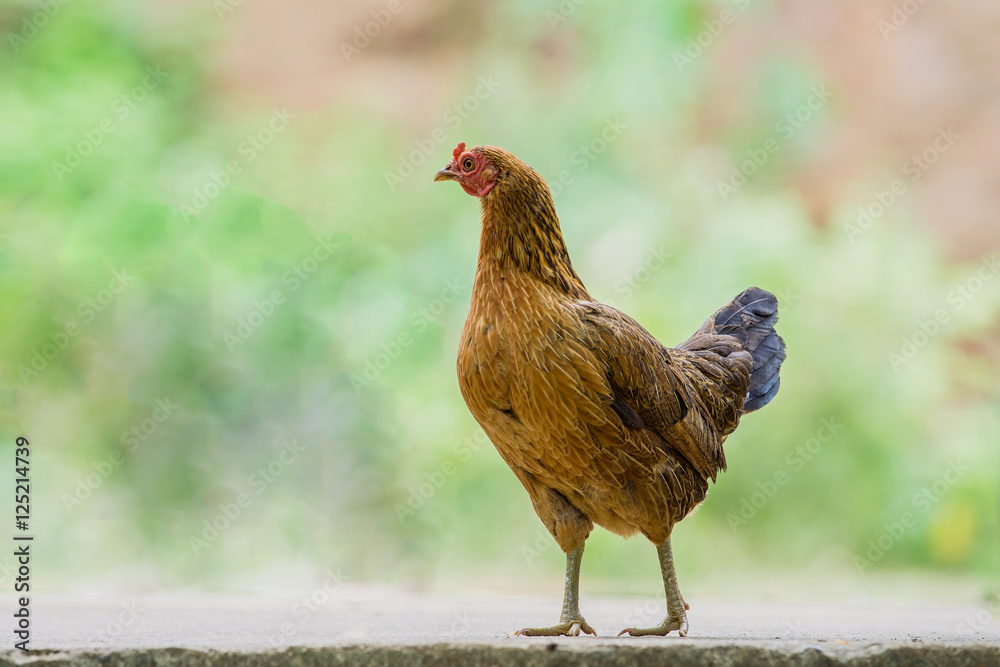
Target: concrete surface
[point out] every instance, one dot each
(363, 626)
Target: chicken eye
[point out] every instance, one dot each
(468, 163)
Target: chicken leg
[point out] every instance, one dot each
(571, 622)
(675, 619)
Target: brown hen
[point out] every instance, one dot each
(600, 422)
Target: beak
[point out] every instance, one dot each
(446, 174)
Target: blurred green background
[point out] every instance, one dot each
(231, 292)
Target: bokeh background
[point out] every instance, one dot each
(231, 292)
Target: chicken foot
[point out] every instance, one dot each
(675, 619)
(571, 622)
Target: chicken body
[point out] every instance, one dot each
(599, 421)
(532, 375)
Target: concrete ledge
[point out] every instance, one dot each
(534, 653)
(365, 626)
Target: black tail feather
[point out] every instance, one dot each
(751, 317)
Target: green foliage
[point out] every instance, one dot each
(309, 302)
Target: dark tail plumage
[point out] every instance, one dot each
(751, 317)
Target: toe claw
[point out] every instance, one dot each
(566, 629)
(668, 625)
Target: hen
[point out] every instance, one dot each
(599, 421)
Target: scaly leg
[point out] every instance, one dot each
(571, 622)
(675, 619)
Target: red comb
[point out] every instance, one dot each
(458, 150)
